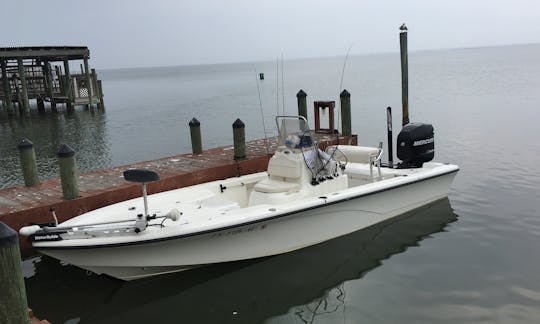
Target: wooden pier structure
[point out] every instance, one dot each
(43, 74)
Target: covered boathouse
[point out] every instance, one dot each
(43, 74)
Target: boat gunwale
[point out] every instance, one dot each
(261, 220)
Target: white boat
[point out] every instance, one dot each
(305, 197)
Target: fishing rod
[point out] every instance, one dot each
(262, 114)
(341, 81)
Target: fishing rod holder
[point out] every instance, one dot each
(323, 105)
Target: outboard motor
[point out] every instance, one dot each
(415, 145)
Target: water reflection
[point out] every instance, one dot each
(85, 130)
(248, 292)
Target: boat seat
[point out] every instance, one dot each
(285, 165)
(353, 154)
(274, 186)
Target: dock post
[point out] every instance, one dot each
(68, 172)
(239, 137)
(404, 73)
(15, 80)
(49, 89)
(345, 98)
(14, 308)
(61, 84)
(95, 87)
(28, 162)
(40, 104)
(68, 86)
(302, 103)
(24, 87)
(100, 89)
(195, 131)
(5, 83)
(88, 81)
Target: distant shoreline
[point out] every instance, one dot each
(324, 57)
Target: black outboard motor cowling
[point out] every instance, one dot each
(415, 145)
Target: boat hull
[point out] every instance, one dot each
(266, 237)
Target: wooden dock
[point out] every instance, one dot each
(20, 206)
(43, 74)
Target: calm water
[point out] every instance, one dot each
(472, 258)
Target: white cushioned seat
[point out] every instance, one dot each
(273, 186)
(281, 165)
(353, 154)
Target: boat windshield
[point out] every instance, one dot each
(294, 132)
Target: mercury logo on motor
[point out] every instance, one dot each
(423, 142)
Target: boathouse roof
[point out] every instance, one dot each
(46, 53)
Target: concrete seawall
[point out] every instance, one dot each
(21, 206)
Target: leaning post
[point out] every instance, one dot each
(195, 131)
(404, 73)
(302, 103)
(345, 98)
(28, 162)
(14, 307)
(68, 172)
(239, 137)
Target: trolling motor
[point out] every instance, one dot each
(54, 232)
(142, 176)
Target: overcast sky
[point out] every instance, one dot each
(122, 33)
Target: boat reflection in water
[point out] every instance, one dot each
(246, 291)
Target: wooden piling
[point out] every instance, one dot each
(28, 162)
(15, 81)
(40, 104)
(95, 87)
(14, 307)
(404, 74)
(49, 84)
(345, 98)
(24, 87)
(195, 131)
(100, 91)
(68, 86)
(5, 83)
(68, 172)
(239, 138)
(302, 103)
(88, 81)
(61, 82)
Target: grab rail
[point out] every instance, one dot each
(376, 159)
